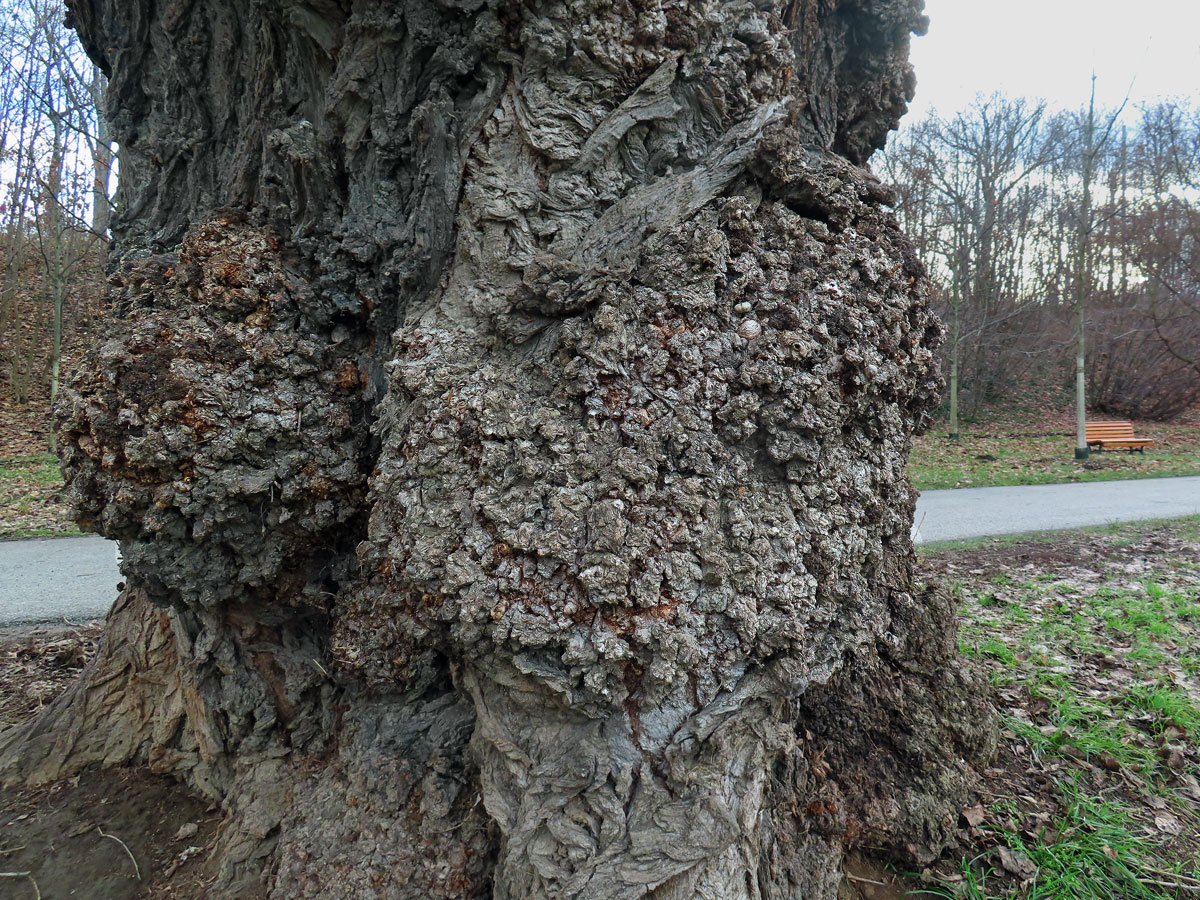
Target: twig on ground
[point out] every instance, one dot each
(862, 880)
(1171, 885)
(37, 892)
(1188, 879)
(112, 837)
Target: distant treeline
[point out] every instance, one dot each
(1028, 218)
(56, 163)
(1024, 218)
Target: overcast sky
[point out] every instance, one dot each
(1048, 48)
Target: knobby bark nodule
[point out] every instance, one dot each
(504, 416)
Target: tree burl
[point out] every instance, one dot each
(503, 414)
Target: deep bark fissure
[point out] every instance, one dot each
(504, 418)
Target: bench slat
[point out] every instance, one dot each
(1115, 435)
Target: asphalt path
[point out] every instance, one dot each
(58, 580)
(982, 512)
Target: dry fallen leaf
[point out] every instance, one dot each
(974, 815)
(1173, 758)
(1167, 823)
(1072, 752)
(1017, 863)
(1110, 762)
(1174, 732)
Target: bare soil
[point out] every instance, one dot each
(117, 834)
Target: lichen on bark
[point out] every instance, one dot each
(504, 419)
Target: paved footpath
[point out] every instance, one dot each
(55, 579)
(980, 512)
(75, 579)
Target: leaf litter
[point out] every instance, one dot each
(1091, 641)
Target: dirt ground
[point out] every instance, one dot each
(120, 834)
(36, 665)
(117, 835)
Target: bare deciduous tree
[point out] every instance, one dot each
(1106, 219)
(59, 157)
(971, 173)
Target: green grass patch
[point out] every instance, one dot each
(30, 498)
(1094, 656)
(1115, 533)
(1169, 706)
(1093, 851)
(24, 534)
(1040, 638)
(41, 469)
(1006, 454)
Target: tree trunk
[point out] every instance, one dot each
(102, 157)
(504, 421)
(1083, 274)
(53, 238)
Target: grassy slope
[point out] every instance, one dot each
(1000, 453)
(29, 498)
(1091, 641)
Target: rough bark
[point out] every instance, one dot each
(504, 419)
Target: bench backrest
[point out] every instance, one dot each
(1109, 431)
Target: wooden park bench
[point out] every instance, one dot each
(1114, 436)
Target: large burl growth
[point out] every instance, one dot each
(504, 417)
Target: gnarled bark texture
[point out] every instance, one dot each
(504, 417)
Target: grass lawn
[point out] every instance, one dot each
(997, 453)
(1091, 641)
(29, 498)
